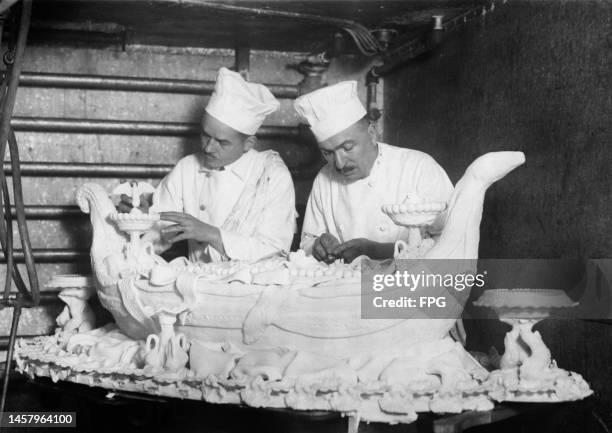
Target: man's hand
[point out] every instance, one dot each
(187, 227)
(323, 247)
(354, 248)
(125, 205)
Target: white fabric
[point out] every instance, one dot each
(211, 195)
(331, 110)
(240, 104)
(216, 210)
(353, 210)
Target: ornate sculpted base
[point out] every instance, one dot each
(527, 372)
(277, 379)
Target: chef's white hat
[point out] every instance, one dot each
(239, 104)
(331, 110)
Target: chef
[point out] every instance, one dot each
(229, 200)
(343, 217)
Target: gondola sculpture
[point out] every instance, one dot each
(285, 332)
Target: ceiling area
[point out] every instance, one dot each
(307, 26)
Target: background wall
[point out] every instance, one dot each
(536, 77)
(135, 61)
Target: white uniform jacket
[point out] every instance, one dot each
(213, 197)
(353, 210)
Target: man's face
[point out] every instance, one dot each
(221, 144)
(352, 152)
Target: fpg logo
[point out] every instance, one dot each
(432, 301)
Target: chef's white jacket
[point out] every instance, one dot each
(353, 210)
(210, 196)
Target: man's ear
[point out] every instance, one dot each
(250, 143)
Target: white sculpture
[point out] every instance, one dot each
(287, 331)
(459, 240)
(416, 214)
(77, 315)
(166, 350)
(527, 371)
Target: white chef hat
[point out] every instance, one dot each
(240, 104)
(331, 110)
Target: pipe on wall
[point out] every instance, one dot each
(136, 84)
(64, 169)
(140, 171)
(52, 255)
(365, 42)
(39, 212)
(14, 60)
(47, 297)
(400, 55)
(374, 112)
(441, 28)
(125, 127)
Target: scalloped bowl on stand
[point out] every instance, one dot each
(135, 224)
(413, 217)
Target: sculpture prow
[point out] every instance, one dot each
(461, 234)
(107, 240)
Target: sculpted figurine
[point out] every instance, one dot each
(77, 315)
(524, 349)
(166, 350)
(527, 371)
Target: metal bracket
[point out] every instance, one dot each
(313, 69)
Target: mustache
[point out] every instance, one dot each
(345, 170)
